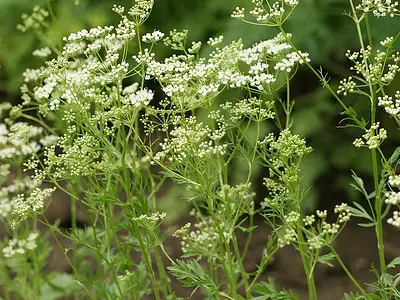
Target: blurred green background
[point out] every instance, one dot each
(318, 27)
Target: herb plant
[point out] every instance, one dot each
(113, 130)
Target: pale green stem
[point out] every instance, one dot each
(378, 198)
(346, 270)
(243, 273)
(65, 255)
(306, 265)
(322, 79)
(261, 267)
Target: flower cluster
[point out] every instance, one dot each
(393, 198)
(215, 41)
(150, 222)
(287, 148)
(343, 212)
(373, 137)
(20, 246)
(153, 37)
(24, 207)
(19, 140)
(316, 230)
(35, 21)
(182, 75)
(83, 88)
(44, 52)
(138, 98)
(252, 108)
(191, 141)
(205, 239)
(141, 10)
(238, 13)
(277, 194)
(379, 67)
(391, 104)
(395, 219)
(237, 198)
(20, 197)
(176, 39)
(69, 160)
(282, 155)
(11, 191)
(289, 236)
(380, 8)
(272, 14)
(346, 86)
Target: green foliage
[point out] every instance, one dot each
(112, 117)
(191, 274)
(269, 291)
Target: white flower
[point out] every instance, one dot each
(16, 246)
(346, 85)
(373, 137)
(289, 237)
(292, 2)
(140, 97)
(395, 219)
(379, 8)
(153, 37)
(392, 198)
(390, 104)
(215, 41)
(238, 13)
(6, 207)
(44, 52)
(394, 181)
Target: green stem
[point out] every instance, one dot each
(66, 255)
(36, 275)
(248, 240)
(358, 286)
(231, 273)
(322, 79)
(288, 108)
(306, 265)
(378, 210)
(243, 273)
(226, 296)
(167, 290)
(262, 266)
(378, 198)
(147, 261)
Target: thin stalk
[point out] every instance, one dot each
(378, 210)
(108, 243)
(36, 275)
(261, 267)
(321, 78)
(378, 198)
(306, 265)
(166, 287)
(41, 123)
(65, 255)
(147, 261)
(244, 274)
(337, 256)
(231, 273)
(288, 109)
(249, 237)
